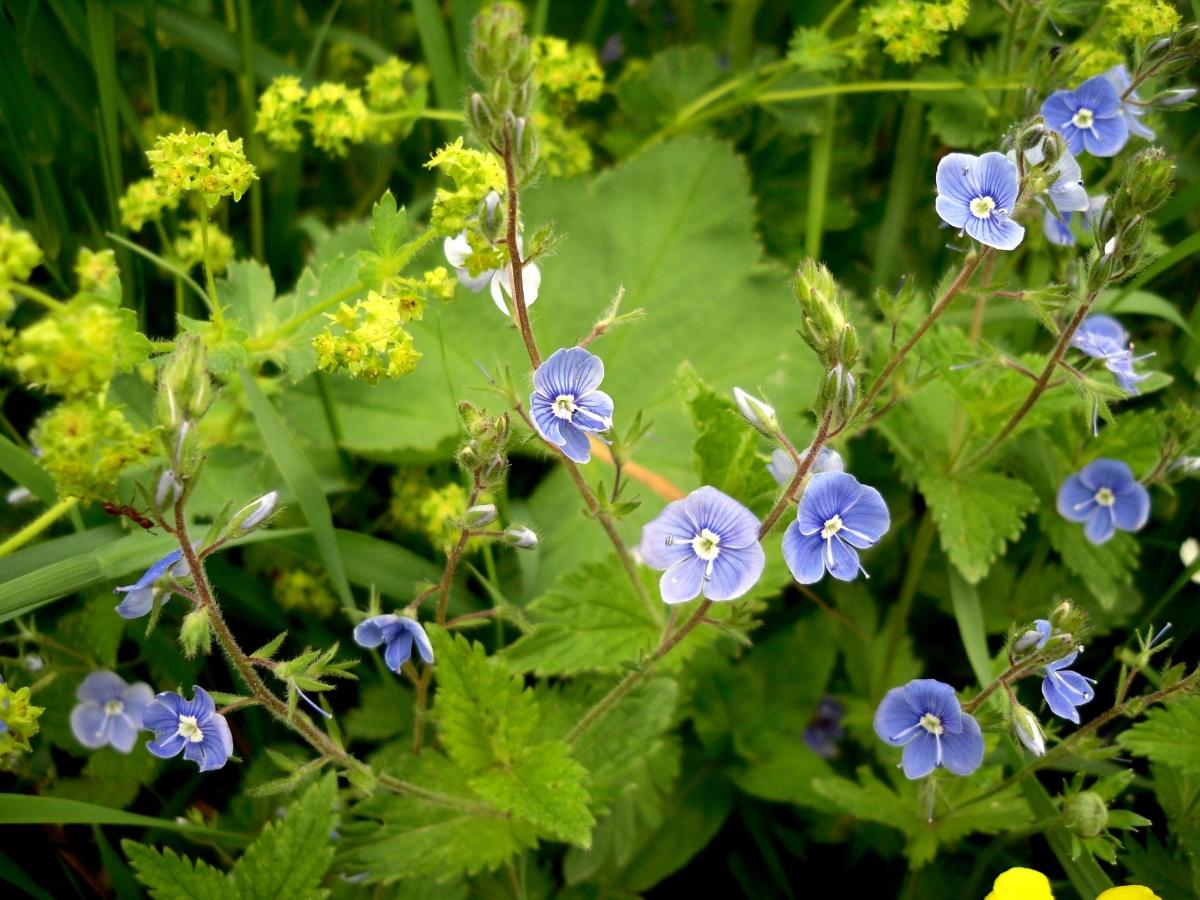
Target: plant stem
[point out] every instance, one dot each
(38, 525)
(789, 492)
(32, 293)
(1043, 381)
(213, 303)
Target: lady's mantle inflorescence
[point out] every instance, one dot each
(925, 718)
(399, 635)
(1104, 496)
(19, 256)
(191, 727)
(18, 723)
(706, 543)
(109, 711)
(210, 165)
(837, 517)
(911, 29)
(566, 403)
(978, 194)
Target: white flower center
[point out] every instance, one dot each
(981, 207)
(1105, 497)
(190, 729)
(1083, 118)
(564, 406)
(931, 723)
(114, 708)
(707, 545)
(832, 527)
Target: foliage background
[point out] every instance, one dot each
(699, 208)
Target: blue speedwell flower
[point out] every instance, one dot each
(825, 729)
(399, 633)
(109, 711)
(1066, 193)
(139, 596)
(1105, 496)
(1089, 118)
(706, 543)
(924, 717)
(565, 404)
(1057, 228)
(783, 468)
(977, 194)
(1103, 337)
(1064, 690)
(1035, 638)
(1132, 108)
(837, 517)
(193, 727)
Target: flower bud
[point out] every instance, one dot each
(823, 310)
(1028, 730)
(1086, 814)
(479, 516)
(167, 491)
(195, 634)
(760, 415)
(1146, 184)
(1172, 98)
(520, 537)
(254, 513)
(1030, 134)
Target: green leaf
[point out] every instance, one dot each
(1169, 735)
(26, 809)
(1142, 303)
(21, 466)
(968, 613)
(290, 858)
(1106, 570)
(388, 224)
(168, 876)
(298, 472)
(591, 621)
(977, 514)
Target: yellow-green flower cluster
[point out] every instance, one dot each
(20, 718)
(474, 173)
(1092, 59)
(367, 339)
(19, 256)
(563, 150)
(304, 591)
(86, 446)
(568, 75)
(280, 108)
(97, 272)
(420, 507)
(440, 508)
(143, 201)
(396, 94)
(912, 29)
(337, 115)
(210, 165)
(189, 246)
(1142, 20)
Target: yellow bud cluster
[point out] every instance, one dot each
(143, 201)
(396, 95)
(20, 718)
(562, 149)
(474, 173)
(337, 116)
(210, 165)
(86, 446)
(911, 29)
(439, 509)
(367, 339)
(280, 107)
(19, 256)
(567, 75)
(1142, 20)
(304, 590)
(189, 246)
(97, 272)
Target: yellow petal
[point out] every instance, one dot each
(1024, 884)
(1129, 892)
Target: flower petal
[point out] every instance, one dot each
(724, 516)
(122, 733)
(896, 722)
(571, 370)
(136, 604)
(667, 539)
(996, 231)
(928, 695)
(101, 686)
(161, 714)
(920, 756)
(996, 176)
(683, 581)
(1132, 507)
(962, 753)
(841, 560)
(576, 445)
(166, 748)
(867, 520)
(398, 650)
(1106, 137)
(953, 177)
(137, 698)
(1075, 500)
(369, 633)
(89, 724)
(735, 571)
(1100, 525)
(1110, 473)
(803, 555)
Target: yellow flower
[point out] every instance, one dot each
(1021, 884)
(1129, 892)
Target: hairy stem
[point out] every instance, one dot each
(789, 493)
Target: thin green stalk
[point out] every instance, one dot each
(818, 181)
(213, 303)
(38, 525)
(242, 24)
(910, 141)
(32, 293)
(897, 624)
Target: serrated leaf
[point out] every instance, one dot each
(1106, 570)
(168, 876)
(591, 621)
(977, 514)
(388, 224)
(1169, 735)
(290, 858)
(271, 647)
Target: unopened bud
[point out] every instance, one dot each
(481, 515)
(195, 634)
(254, 513)
(1028, 730)
(1086, 814)
(167, 491)
(759, 414)
(520, 537)
(1173, 97)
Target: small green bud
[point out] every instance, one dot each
(195, 634)
(1028, 730)
(520, 537)
(254, 513)
(1146, 184)
(824, 315)
(757, 413)
(1086, 814)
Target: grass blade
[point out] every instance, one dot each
(24, 809)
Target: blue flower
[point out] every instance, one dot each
(565, 404)
(109, 711)
(837, 517)
(399, 633)
(977, 194)
(1066, 194)
(1036, 638)
(139, 596)
(191, 726)
(1103, 337)
(924, 717)
(1089, 118)
(783, 468)
(1057, 228)
(705, 543)
(1132, 109)
(825, 729)
(1064, 690)
(1105, 496)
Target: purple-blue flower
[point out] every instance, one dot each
(566, 404)
(1036, 638)
(139, 596)
(399, 634)
(705, 543)
(924, 717)
(1132, 109)
(1103, 337)
(1057, 228)
(109, 711)
(977, 194)
(193, 727)
(1089, 118)
(825, 729)
(1105, 496)
(1064, 690)
(783, 468)
(837, 518)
